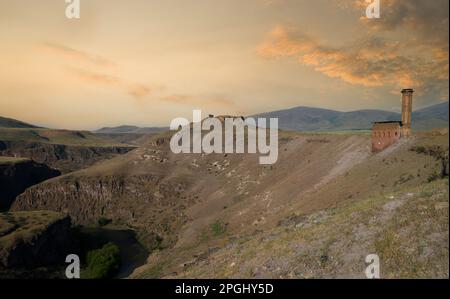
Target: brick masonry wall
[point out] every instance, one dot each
(384, 135)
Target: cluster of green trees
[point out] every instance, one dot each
(103, 263)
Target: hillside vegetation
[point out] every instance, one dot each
(64, 137)
(32, 239)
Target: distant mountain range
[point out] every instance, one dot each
(130, 130)
(304, 119)
(316, 119)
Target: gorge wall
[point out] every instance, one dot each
(18, 174)
(65, 158)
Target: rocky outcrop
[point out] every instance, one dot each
(66, 158)
(34, 239)
(146, 202)
(18, 174)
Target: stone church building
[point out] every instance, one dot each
(386, 133)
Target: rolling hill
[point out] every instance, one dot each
(435, 116)
(311, 119)
(130, 130)
(13, 123)
(316, 119)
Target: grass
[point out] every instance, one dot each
(24, 225)
(154, 271)
(12, 160)
(102, 221)
(218, 228)
(340, 132)
(64, 137)
(411, 240)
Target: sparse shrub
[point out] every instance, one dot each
(418, 149)
(323, 259)
(104, 262)
(159, 242)
(426, 194)
(433, 177)
(404, 178)
(440, 154)
(218, 228)
(388, 246)
(102, 221)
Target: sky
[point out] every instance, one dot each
(145, 62)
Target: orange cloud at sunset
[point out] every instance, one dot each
(71, 53)
(368, 62)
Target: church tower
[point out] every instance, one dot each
(407, 96)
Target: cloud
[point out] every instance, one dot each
(200, 100)
(136, 90)
(76, 54)
(424, 21)
(272, 2)
(140, 90)
(94, 77)
(368, 62)
(406, 47)
(414, 14)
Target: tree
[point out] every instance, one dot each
(104, 262)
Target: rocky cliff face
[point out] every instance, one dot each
(34, 239)
(146, 202)
(18, 174)
(66, 158)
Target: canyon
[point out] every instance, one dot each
(189, 209)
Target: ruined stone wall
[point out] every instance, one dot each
(384, 135)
